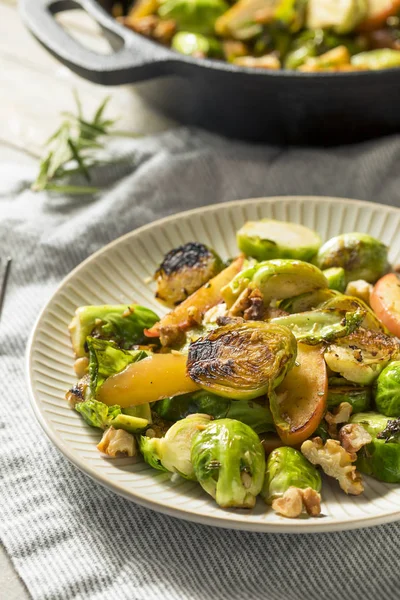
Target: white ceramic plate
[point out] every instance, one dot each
(119, 273)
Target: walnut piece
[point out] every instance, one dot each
(117, 442)
(295, 500)
(341, 414)
(335, 462)
(360, 289)
(353, 437)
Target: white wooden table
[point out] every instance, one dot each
(35, 89)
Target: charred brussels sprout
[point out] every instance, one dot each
(287, 467)
(391, 433)
(257, 416)
(381, 457)
(184, 270)
(276, 279)
(229, 463)
(172, 452)
(196, 44)
(383, 58)
(359, 254)
(358, 397)
(197, 16)
(361, 356)
(387, 392)
(267, 239)
(336, 278)
(316, 326)
(351, 303)
(123, 324)
(242, 360)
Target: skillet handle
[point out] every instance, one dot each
(137, 59)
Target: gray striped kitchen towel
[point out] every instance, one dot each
(67, 536)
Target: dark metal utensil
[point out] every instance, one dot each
(3, 283)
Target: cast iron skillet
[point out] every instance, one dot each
(276, 106)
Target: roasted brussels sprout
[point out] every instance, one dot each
(106, 359)
(336, 278)
(380, 458)
(267, 239)
(307, 301)
(361, 356)
(186, 268)
(276, 279)
(383, 58)
(316, 326)
(123, 324)
(196, 16)
(358, 397)
(387, 391)
(359, 254)
(199, 45)
(287, 467)
(342, 17)
(172, 452)
(229, 463)
(242, 360)
(102, 416)
(351, 304)
(257, 416)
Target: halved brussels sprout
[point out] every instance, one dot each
(102, 416)
(257, 416)
(229, 463)
(342, 16)
(359, 254)
(197, 16)
(242, 360)
(391, 433)
(351, 303)
(387, 391)
(358, 397)
(316, 326)
(307, 301)
(276, 279)
(336, 278)
(172, 452)
(380, 458)
(186, 268)
(199, 45)
(361, 356)
(287, 467)
(382, 58)
(267, 239)
(123, 324)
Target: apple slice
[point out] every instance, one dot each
(377, 13)
(299, 403)
(385, 302)
(200, 301)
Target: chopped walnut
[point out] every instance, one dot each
(212, 314)
(171, 334)
(360, 289)
(117, 442)
(241, 304)
(255, 311)
(353, 437)
(341, 414)
(295, 500)
(81, 366)
(335, 462)
(78, 392)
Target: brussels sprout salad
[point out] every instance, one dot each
(270, 369)
(302, 35)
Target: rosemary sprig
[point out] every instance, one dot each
(71, 150)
